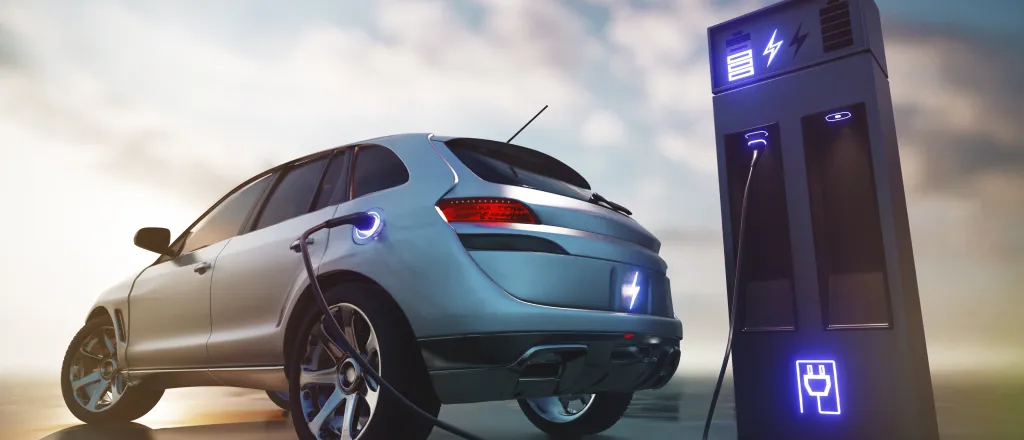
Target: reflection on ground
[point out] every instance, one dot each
(33, 410)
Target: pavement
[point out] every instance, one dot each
(32, 409)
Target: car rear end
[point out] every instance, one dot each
(536, 228)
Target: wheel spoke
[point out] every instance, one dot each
(93, 377)
(117, 388)
(372, 394)
(348, 420)
(371, 344)
(328, 376)
(348, 324)
(109, 343)
(332, 349)
(89, 355)
(97, 394)
(326, 411)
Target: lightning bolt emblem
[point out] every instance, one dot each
(798, 39)
(773, 48)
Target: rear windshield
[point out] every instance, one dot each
(509, 164)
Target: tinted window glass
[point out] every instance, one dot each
(376, 169)
(293, 194)
(226, 220)
(508, 164)
(331, 190)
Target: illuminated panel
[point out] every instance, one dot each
(817, 387)
(782, 38)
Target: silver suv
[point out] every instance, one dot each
(492, 272)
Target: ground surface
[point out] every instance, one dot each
(32, 409)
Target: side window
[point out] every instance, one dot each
(377, 168)
(331, 191)
(226, 220)
(293, 194)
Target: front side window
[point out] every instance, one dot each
(226, 220)
(332, 187)
(376, 169)
(293, 194)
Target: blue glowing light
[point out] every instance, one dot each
(773, 48)
(837, 116)
(818, 380)
(756, 138)
(362, 236)
(632, 290)
(740, 64)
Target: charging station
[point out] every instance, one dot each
(828, 337)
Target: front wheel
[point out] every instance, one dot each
(94, 388)
(575, 416)
(331, 397)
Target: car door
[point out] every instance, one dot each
(169, 305)
(259, 271)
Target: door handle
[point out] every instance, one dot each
(201, 268)
(295, 246)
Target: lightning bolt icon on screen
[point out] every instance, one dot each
(773, 47)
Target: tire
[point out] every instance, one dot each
(603, 411)
(280, 399)
(105, 397)
(397, 359)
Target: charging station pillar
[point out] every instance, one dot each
(829, 341)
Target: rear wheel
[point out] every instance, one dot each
(330, 396)
(575, 416)
(94, 388)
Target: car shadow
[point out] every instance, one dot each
(278, 429)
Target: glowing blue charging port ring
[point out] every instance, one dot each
(838, 116)
(363, 236)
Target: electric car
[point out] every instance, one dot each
(491, 272)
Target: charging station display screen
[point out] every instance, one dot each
(845, 217)
(777, 39)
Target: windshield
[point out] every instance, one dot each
(509, 164)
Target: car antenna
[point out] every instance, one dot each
(509, 141)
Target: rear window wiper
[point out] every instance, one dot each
(598, 199)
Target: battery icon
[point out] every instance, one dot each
(739, 58)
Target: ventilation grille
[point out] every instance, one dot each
(836, 31)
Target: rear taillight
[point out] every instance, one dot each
(486, 210)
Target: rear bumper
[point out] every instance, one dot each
(522, 365)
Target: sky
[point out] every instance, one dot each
(119, 115)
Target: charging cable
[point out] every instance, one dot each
(735, 288)
(333, 329)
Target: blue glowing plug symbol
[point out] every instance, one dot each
(817, 385)
(818, 381)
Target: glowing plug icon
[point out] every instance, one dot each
(817, 385)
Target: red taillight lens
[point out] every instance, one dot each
(486, 211)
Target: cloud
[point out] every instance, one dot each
(603, 129)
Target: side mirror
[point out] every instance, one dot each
(154, 240)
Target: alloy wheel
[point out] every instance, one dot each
(337, 399)
(96, 378)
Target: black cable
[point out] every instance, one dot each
(732, 306)
(342, 343)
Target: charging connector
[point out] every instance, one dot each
(735, 288)
(336, 334)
